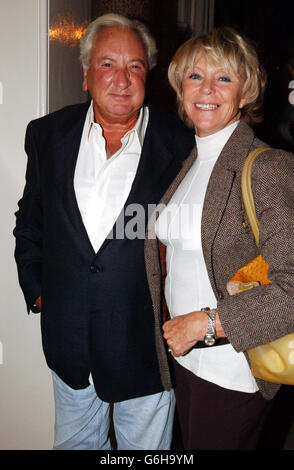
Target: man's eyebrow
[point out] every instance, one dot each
(136, 59)
(143, 62)
(106, 58)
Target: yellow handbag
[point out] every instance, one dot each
(273, 362)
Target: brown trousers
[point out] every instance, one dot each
(215, 418)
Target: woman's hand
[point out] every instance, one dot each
(183, 331)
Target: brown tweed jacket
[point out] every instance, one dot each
(263, 313)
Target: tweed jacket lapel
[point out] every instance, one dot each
(229, 162)
(151, 248)
(170, 191)
(226, 168)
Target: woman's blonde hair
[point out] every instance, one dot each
(226, 48)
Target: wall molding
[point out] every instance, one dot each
(43, 57)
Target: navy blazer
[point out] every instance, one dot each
(97, 311)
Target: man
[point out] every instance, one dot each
(87, 165)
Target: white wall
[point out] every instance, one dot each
(26, 401)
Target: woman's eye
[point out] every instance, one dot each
(225, 79)
(195, 76)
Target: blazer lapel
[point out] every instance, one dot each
(65, 159)
(156, 170)
(186, 165)
(228, 164)
(216, 199)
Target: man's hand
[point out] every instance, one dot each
(38, 302)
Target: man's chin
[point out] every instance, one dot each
(116, 113)
(122, 110)
(123, 113)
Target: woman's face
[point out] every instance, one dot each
(212, 97)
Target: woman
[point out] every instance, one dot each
(219, 85)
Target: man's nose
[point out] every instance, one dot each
(122, 78)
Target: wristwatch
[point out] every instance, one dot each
(210, 334)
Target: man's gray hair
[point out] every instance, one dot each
(114, 20)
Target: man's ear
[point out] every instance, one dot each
(85, 82)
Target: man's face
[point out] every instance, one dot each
(117, 75)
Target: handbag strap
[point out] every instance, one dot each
(247, 194)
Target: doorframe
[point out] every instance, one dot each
(43, 57)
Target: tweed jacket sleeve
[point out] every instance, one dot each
(267, 312)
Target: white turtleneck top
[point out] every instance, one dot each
(187, 286)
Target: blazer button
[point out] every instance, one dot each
(220, 294)
(94, 269)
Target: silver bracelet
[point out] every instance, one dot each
(210, 336)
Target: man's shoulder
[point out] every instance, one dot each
(169, 122)
(64, 117)
(171, 132)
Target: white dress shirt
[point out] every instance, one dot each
(187, 285)
(102, 185)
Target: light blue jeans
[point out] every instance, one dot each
(82, 420)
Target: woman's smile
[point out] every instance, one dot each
(212, 96)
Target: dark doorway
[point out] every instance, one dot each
(270, 26)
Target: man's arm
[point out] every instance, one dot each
(28, 229)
